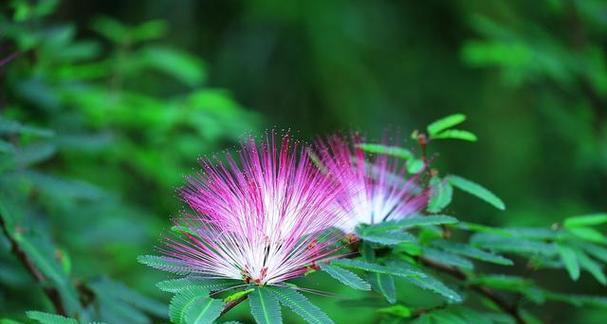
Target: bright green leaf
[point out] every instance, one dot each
(396, 151)
(476, 190)
(588, 234)
(586, 220)
(237, 295)
(445, 123)
(401, 311)
(456, 134)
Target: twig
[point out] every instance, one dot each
(51, 292)
(229, 305)
(488, 293)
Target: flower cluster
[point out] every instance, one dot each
(268, 216)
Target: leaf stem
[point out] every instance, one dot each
(51, 292)
(485, 291)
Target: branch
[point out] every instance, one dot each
(228, 306)
(51, 292)
(488, 293)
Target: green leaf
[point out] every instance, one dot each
(401, 311)
(456, 134)
(264, 308)
(383, 284)
(414, 166)
(447, 259)
(476, 190)
(202, 310)
(300, 305)
(346, 277)
(588, 234)
(6, 147)
(472, 252)
(48, 318)
(176, 285)
(409, 222)
(430, 283)
(444, 123)
(396, 151)
(594, 268)
(502, 282)
(152, 29)
(164, 263)
(34, 153)
(372, 267)
(578, 300)
(585, 220)
(441, 193)
(182, 300)
(110, 29)
(182, 66)
(122, 293)
(8, 126)
(386, 238)
(237, 295)
(511, 244)
(568, 256)
(596, 251)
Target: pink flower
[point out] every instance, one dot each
(262, 219)
(376, 188)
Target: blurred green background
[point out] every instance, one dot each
(106, 105)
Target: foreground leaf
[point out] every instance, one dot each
(202, 310)
(182, 300)
(299, 304)
(386, 238)
(48, 318)
(383, 284)
(176, 285)
(346, 277)
(372, 267)
(264, 307)
(164, 263)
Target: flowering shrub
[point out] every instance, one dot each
(96, 133)
(267, 220)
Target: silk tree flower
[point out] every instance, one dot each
(376, 187)
(263, 218)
